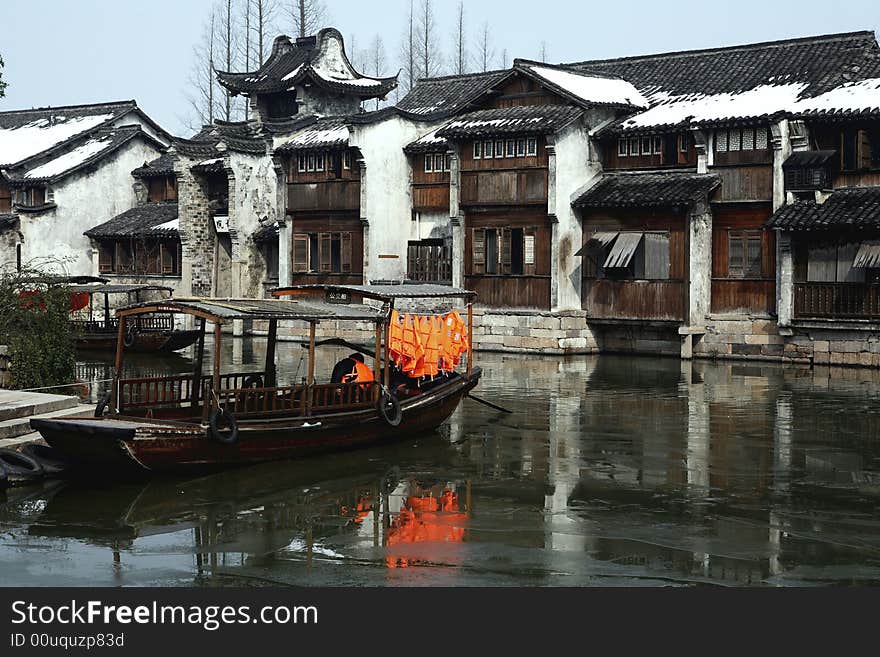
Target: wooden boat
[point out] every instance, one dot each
(149, 334)
(225, 419)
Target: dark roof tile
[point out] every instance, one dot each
(438, 98)
(525, 119)
(141, 221)
(850, 207)
(647, 190)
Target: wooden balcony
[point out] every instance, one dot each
(332, 195)
(511, 291)
(638, 300)
(430, 196)
(837, 300)
(515, 187)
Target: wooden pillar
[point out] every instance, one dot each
(377, 359)
(470, 338)
(270, 354)
(106, 310)
(387, 380)
(117, 375)
(216, 380)
(310, 382)
(197, 368)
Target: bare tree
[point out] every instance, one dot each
(408, 49)
(486, 49)
(204, 93)
(263, 15)
(376, 60)
(544, 55)
(2, 83)
(307, 16)
(460, 49)
(503, 61)
(429, 59)
(228, 40)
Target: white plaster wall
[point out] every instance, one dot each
(574, 170)
(430, 225)
(255, 198)
(388, 197)
(55, 239)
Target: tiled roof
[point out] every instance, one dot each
(320, 59)
(647, 190)
(331, 132)
(161, 166)
(76, 155)
(853, 207)
(428, 143)
(151, 219)
(438, 98)
(761, 80)
(525, 119)
(586, 88)
(243, 137)
(802, 159)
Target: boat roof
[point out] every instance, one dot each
(385, 292)
(118, 288)
(222, 310)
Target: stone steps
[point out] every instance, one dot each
(17, 404)
(11, 430)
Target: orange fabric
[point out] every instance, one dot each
(395, 337)
(412, 344)
(360, 374)
(78, 301)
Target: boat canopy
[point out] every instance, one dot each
(97, 288)
(385, 292)
(223, 310)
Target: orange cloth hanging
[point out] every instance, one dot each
(412, 344)
(433, 346)
(395, 338)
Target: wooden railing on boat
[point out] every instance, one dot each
(162, 323)
(242, 400)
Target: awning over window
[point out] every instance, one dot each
(599, 240)
(868, 255)
(623, 250)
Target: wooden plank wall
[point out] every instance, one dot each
(745, 183)
(756, 295)
(335, 224)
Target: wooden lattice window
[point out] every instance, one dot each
(744, 254)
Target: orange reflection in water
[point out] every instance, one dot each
(425, 518)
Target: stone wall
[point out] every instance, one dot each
(197, 235)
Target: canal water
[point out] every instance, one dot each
(611, 471)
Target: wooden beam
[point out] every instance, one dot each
(377, 359)
(197, 368)
(117, 375)
(310, 387)
(217, 340)
(470, 339)
(270, 354)
(387, 380)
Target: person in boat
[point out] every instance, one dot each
(352, 369)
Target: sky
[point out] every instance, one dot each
(64, 52)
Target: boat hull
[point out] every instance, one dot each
(117, 442)
(146, 341)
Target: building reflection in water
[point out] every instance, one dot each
(611, 470)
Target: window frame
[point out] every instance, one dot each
(656, 145)
(521, 147)
(510, 148)
(429, 162)
(478, 150)
(622, 147)
(531, 146)
(488, 153)
(745, 237)
(301, 163)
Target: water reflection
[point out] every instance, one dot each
(611, 471)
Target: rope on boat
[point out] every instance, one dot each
(66, 385)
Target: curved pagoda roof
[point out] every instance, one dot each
(319, 59)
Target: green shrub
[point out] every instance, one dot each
(37, 330)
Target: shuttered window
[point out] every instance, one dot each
(744, 254)
(529, 239)
(345, 252)
(478, 248)
(504, 258)
(325, 249)
(300, 253)
(106, 253)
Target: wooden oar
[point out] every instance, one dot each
(489, 404)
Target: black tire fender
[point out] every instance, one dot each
(229, 437)
(19, 466)
(129, 337)
(49, 458)
(389, 409)
(103, 403)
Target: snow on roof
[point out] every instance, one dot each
(292, 74)
(863, 96)
(326, 135)
(591, 88)
(431, 138)
(174, 224)
(205, 163)
(17, 144)
(71, 159)
(763, 100)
